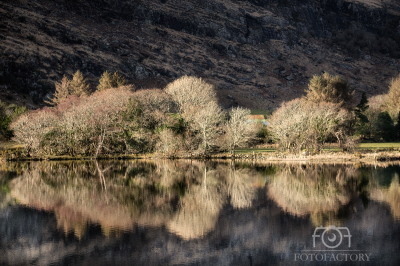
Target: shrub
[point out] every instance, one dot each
(31, 38)
(155, 106)
(7, 115)
(300, 124)
(30, 128)
(86, 125)
(22, 19)
(168, 142)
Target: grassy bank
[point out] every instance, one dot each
(384, 146)
(366, 152)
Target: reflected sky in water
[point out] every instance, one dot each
(197, 213)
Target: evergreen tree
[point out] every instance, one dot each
(62, 91)
(328, 88)
(108, 82)
(105, 82)
(363, 105)
(398, 126)
(78, 85)
(361, 118)
(385, 127)
(118, 80)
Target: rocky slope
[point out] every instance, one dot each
(257, 52)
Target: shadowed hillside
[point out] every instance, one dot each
(258, 53)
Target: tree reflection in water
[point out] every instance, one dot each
(187, 197)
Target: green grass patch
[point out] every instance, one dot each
(379, 145)
(258, 150)
(10, 145)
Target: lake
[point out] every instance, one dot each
(183, 212)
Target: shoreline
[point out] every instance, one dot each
(338, 157)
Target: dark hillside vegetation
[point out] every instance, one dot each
(257, 53)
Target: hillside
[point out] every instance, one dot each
(258, 53)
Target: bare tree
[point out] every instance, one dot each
(391, 102)
(207, 121)
(238, 131)
(168, 143)
(300, 124)
(76, 125)
(30, 128)
(191, 93)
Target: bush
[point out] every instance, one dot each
(86, 125)
(301, 124)
(31, 128)
(7, 115)
(168, 142)
(155, 106)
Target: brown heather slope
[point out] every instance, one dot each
(257, 53)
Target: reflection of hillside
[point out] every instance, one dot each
(311, 189)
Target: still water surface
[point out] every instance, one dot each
(198, 213)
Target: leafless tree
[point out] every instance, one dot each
(391, 102)
(168, 142)
(191, 93)
(300, 124)
(207, 121)
(238, 130)
(29, 129)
